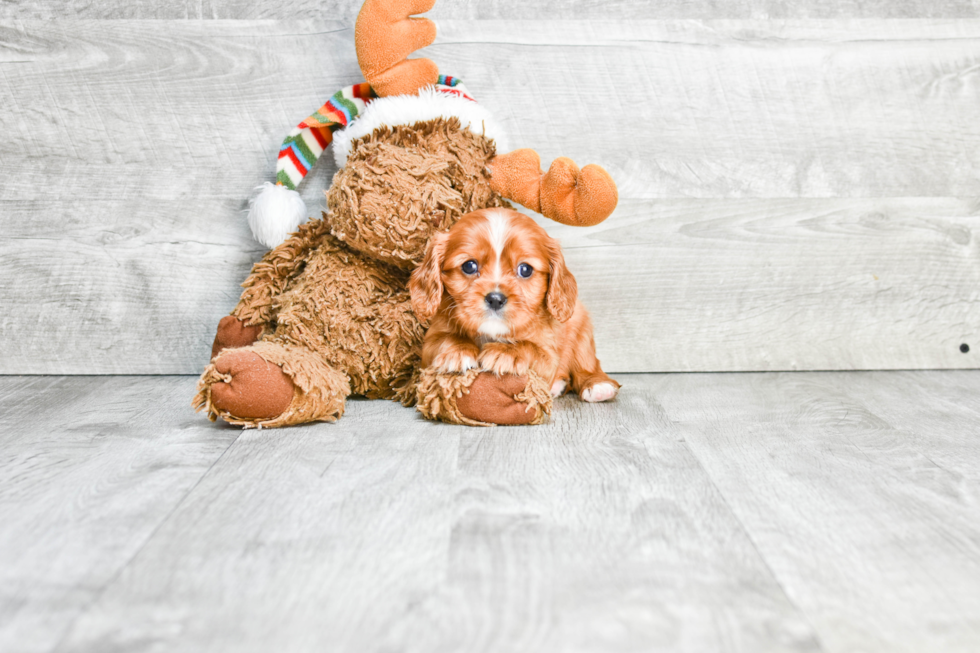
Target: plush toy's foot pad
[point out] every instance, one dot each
(252, 388)
(599, 392)
(478, 398)
(270, 384)
(232, 332)
(491, 400)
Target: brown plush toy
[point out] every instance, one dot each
(326, 313)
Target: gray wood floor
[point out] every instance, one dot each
(700, 512)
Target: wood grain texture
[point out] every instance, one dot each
(90, 468)
(151, 110)
(745, 239)
(309, 536)
(712, 109)
(584, 535)
(877, 472)
(126, 287)
(831, 512)
(496, 9)
(728, 285)
(599, 532)
(672, 285)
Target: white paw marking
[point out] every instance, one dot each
(457, 364)
(503, 365)
(599, 392)
(558, 388)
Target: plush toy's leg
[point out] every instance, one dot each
(255, 311)
(268, 384)
(384, 36)
(564, 194)
(479, 398)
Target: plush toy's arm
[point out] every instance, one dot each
(565, 194)
(271, 275)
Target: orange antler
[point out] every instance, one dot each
(565, 194)
(385, 34)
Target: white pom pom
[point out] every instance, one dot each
(274, 213)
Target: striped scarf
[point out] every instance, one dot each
(305, 144)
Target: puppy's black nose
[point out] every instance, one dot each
(495, 300)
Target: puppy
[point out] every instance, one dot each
(500, 298)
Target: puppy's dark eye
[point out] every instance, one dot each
(524, 270)
(470, 267)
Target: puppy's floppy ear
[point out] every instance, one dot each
(426, 282)
(562, 290)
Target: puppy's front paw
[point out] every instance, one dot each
(456, 359)
(603, 391)
(558, 387)
(504, 359)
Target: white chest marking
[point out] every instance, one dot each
(493, 330)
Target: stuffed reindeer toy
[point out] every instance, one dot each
(327, 311)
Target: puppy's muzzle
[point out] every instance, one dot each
(495, 300)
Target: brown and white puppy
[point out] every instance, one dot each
(500, 298)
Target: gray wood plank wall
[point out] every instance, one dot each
(796, 194)
(494, 9)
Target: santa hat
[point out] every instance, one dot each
(277, 209)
